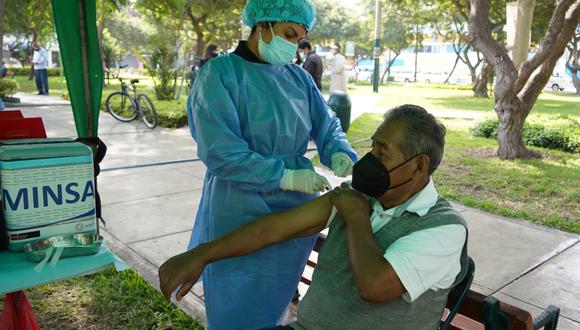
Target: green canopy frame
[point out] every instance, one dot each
(76, 29)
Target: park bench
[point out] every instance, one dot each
(10, 74)
(467, 309)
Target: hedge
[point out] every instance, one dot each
(24, 71)
(562, 132)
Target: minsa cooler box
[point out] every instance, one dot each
(47, 188)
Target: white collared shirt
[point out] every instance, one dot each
(426, 259)
(40, 59)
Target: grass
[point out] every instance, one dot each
(541, 191)
(107, 300)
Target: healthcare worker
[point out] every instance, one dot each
(337, 70)
(252, 115)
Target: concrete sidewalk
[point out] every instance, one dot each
(151, 184)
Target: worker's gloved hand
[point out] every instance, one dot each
(341, 164)
(306, 181)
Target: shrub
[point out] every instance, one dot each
(8, 87)
(486, 129)
(171, 114)
(559, 132)
(540, 136)
(172, 120)
(163, 72)
(25, 71)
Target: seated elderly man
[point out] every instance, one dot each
(394, 248)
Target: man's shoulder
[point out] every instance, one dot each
(444, 209)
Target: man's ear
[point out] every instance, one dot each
(423, 163)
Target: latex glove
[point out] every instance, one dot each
(306, 181)
(341, 164)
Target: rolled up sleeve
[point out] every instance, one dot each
(427, 259)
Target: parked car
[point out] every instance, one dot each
(460, 80)
(404, 76)
(432, 77)
(560, 82)
(365, 68)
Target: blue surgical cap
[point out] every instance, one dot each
(297, 11)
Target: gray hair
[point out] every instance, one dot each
(422, 133)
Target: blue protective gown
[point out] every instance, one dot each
(250, 122)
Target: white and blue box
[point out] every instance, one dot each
(47, 188)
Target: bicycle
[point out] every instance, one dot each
(126, 107)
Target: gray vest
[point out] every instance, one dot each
(333, 301)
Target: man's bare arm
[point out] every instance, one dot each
(376, 280)
(184, 269)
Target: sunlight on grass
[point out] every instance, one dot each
(56, 85)
(120, 300)
(462, 101)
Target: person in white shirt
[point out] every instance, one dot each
(394, 249)
(40, 61)
(337, 70)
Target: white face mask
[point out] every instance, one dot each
(303, 56)
(279, 51)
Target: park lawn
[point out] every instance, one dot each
(540, 191)
(462, 102)
(107, 300)
(56, 85)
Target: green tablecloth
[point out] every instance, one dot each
(17, 273)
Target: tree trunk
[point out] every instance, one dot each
(473, 74)
(573, 62)
(100, 31)
(197, 23)
(416, 51)
(2, 6)
(472, 67)
(388, 68)
(452, 70)
(576, 82)
(512, 116)
(523, 31)
(200, 44)
(31, 71)
(480, 85)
